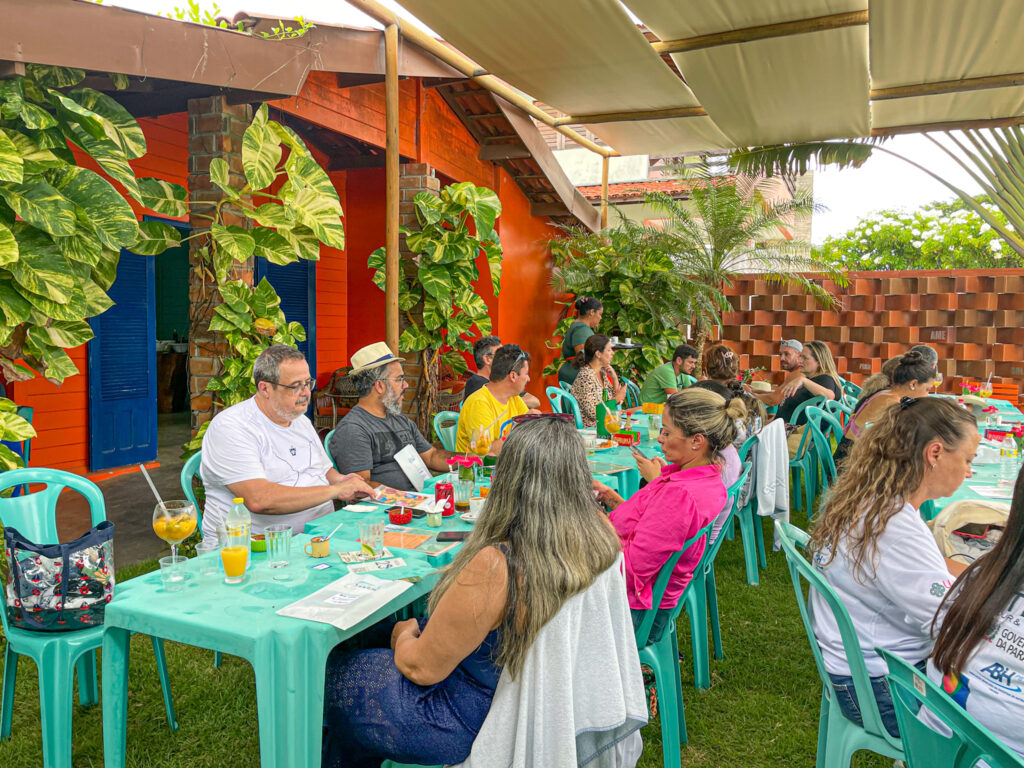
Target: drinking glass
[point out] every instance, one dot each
(371, 538)
(937, 382)
(172, 572)
(279, 543)
(235, 553)
(653, 426)
(463, 493)
(174, 521)
(207, 552)
(480, 441)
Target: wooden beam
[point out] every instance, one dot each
(495, 152)
(10, 69)
(549, 209)
(956, 125)
(528, 176)
(483, 116)
(498, 139)
(604, 193)
(472, 70)
(391, 193)
(764, 32)
(948, 86)
(629, 117)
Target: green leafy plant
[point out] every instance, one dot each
(197, 14)
(62, 226)
(436, 287)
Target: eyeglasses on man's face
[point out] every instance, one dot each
(298, 386)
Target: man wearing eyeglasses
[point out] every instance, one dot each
(367, 441)
(499, 400)
(266, 451)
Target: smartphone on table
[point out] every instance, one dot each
(452, 535)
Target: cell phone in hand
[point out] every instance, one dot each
(452, 535)
(637, 452)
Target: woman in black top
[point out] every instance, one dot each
(588, 316)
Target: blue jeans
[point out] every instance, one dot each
(846, 698)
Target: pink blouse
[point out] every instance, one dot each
(657, 520)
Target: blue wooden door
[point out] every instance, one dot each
(122, 369)
(295, 283)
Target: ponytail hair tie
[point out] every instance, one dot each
(906, 402)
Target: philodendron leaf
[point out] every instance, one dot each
(220, 175)
(435, 280)
(303, 242)
(120, 81)
(8, 246)
(235, 294)
(321, 214)
(264, 299)
(261, 151)
(14, 428)
(128, 133)
(154, 238)
(163, 197)
(70, 112)
(58, 365)
(272, 246)
(12, 167)
(68, 334)
(233, 240)
(46, 76)
(41, 205)
(108, 212)
(35, 117)
(272, 215)
(13, 306)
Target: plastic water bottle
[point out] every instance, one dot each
(239, 525)
(1007, 461)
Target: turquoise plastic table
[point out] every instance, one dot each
(288, 655)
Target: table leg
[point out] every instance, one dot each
(116, 651)
(290, 703)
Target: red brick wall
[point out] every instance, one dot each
(974, 319)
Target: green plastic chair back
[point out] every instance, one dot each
(446, 426)
(968, 742)
(563, 385)
(838, 737)
(850, 389)
(840, 409)
(811, 402)
(327, 448)
(560, 400)
(826, 432)
(750, 523)
(632, 393)
(662, 655)
(188, 474)
(57, 654)
(803, 468)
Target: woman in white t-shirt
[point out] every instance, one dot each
(978, 657)
(874, 549)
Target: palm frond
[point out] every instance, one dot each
(776, 159)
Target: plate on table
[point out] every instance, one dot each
(470, 517)
(363, 508)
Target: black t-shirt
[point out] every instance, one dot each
(472, 385)
(363, 441)
(790, 404)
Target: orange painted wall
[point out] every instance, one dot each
(364, 233)
(527, 313)
(332, 298)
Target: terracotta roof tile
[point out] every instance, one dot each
(634, 190)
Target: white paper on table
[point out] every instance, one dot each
(346, 601)
(992, 491)
(413, 467)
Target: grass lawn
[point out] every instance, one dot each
(761, 709)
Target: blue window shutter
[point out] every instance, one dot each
(295, 283)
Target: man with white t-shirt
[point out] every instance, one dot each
(266, 451)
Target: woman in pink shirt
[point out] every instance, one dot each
(682, 495)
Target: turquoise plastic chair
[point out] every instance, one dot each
(751, 529)
(327, 444)
(632, 393)
(840, 409)
(446, 426)
(563, 385)
(662, 656)
(838, 737)
(57, 654)
(826, 432)
(559, 399)
(968, 743)
(803, 469)
(707, 601)
(850, 389)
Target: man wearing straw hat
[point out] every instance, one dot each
(370, 438)
(497, 401)
(266, 451)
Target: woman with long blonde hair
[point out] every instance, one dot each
(872, 546)
(539, 541)
(819, 377)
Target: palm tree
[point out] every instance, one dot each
(735, 224)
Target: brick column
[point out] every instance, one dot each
(215, 129)
(413, 179)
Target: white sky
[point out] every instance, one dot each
(883, 182)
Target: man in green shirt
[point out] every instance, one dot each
(669, 378)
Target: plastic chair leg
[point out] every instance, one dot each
(696, 609)
(668, 700)
(56, 703)
(165, 682)
(7, 702)
(748, 521)
(218, 659)
(678, 686)
(819, 761)
(759, 534)
(88, 691)
(711, 598)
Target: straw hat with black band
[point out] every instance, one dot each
(373, 356)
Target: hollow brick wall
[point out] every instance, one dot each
(974, 319)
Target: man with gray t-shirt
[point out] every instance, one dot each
(366, 440)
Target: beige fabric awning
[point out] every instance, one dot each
(752, 72)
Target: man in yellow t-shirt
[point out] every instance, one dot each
(497, 401)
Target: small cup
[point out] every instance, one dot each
(434, 519)
(208, 555)
(319, 546)
(371, 539)
(463, 491)
(476, 505)
(258, 542)
(172, 572)
(279, 543)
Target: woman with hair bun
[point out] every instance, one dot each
(876, 552)
(588, 315)
(683, 494)
(593, 362)
(911, 377)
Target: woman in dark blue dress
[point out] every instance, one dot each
(539, 540)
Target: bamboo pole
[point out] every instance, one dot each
(634, 116)
(391, 263)
(604, 192)
(956, 125)
(763, 32)
(473, 71)
(948, 86)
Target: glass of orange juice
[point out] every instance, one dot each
(611, 422)
(235, 554)
(174, 521)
